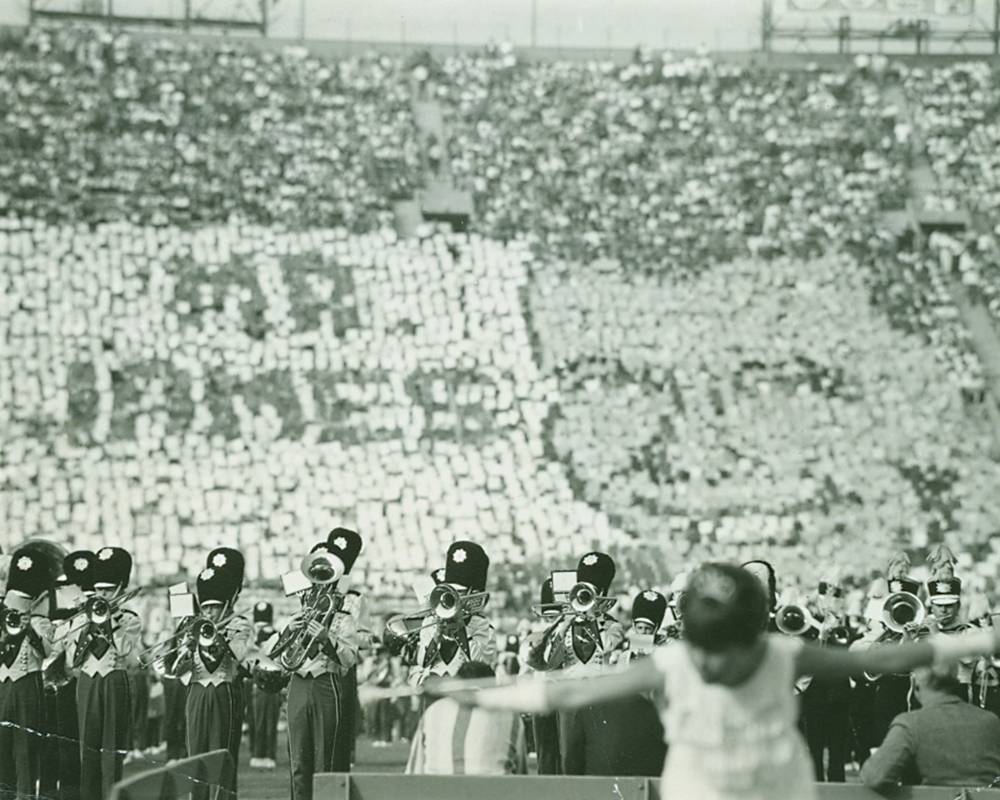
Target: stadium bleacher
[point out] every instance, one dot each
(701, 342)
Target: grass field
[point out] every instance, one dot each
(255, 784)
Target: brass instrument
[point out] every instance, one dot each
(97, 611)
(794, 620)
(322, 568)
(903, 610)
(13, 622)
(547, 610)
(447, 603)
(584, 600)
(295, 644)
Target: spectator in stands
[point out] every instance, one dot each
(492, 742)
(947, 742)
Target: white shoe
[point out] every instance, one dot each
(270, 763)
(255, 763)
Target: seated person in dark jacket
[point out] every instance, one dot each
(947, 742)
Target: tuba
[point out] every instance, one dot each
(902, 610)
(296, 645)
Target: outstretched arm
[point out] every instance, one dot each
(832, 662)
(541, 696)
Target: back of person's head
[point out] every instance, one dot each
(723, 606)
(475, 669)
(943, 680)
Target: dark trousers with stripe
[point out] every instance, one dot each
(266, 710)
(313, 717)
(140, 708)
(546, 729)
(215, 722)
(174, 728)
(347, 729)
(105, 710)
(623, 737)
(61, 754)
(20, 739)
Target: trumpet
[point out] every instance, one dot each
(584, 600)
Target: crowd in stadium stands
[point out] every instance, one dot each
(676, 319)
(669, 167)
(100, 127)
(956, 114)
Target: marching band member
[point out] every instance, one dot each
(582, 641)
(507, 663)
(443, 647)
(648, 611)
(102, 653)
(25, 642)
(211, 650)
(266, 705)
(175, 693)
(825, 703)
(545, 727)
(978, 676)
(893, 693)
(315, 694)
(77, 570)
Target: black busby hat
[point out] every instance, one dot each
(29, 574)
(217, 585)
(903, 584)
(113, 568)
(227, 559)
(649, 606)
(78, 567)
(548, 596)
(944, 591)
(50, 553)
(346, 545)
(263, 612)
(597, 569)
(437, 575)
(467, 565)
(829, 588)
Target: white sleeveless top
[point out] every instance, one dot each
(734, 742)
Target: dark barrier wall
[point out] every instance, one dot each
(390, 787)
(176, 780)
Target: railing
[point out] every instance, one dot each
(359, 786)
(173, 781)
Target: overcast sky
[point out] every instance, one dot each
(677, 23)
(719, 24)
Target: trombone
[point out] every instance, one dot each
(97, 610)
(795, 620)
(447, 604)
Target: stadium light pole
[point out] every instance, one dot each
(302, 20)
(534, 23)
